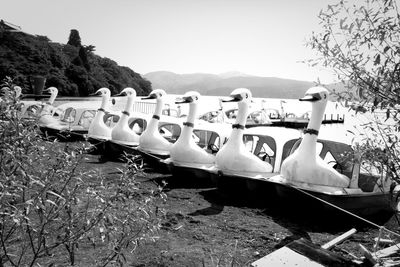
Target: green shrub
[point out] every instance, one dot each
(52, 208)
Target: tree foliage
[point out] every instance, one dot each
(73, 68)
(360, 41)
(74, 38)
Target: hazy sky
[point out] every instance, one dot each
(258, 37)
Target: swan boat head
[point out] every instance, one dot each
(122, 133)
(98, 129)
(156, 94)
(103, 92)
(47, 111)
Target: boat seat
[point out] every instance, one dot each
(367, 182)
(212, 148)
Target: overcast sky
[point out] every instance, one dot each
(257, 37)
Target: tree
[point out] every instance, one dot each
(360, 41)
(74, 38)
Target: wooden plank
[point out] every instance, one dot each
(368, 255)
(285, 257)
(387, 251)
(384, 241)
(302, 253)
(339, 239)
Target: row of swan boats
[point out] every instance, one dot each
(301, 169)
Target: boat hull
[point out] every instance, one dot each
(117, 152)
(99, 145)
(64, 135)
(155, 162)
(376, 207)
(255, 190)
(189, 176)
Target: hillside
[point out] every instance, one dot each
(210, 84)
(73, 68)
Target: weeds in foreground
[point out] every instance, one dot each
(51, 208)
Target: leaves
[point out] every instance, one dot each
(363, 50)
(49, 203)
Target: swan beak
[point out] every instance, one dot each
(311, 98)
(150, 96)
(120, 94)
(95, 93)
(183, 100)
(232, 98)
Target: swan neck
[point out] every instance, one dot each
(192, 112)
(129, 103)
(159, 106)
(309, 143)
(236, 136)
(153, 124)
(243, 112)
(104, 101)
(317, 114)
(52, 98)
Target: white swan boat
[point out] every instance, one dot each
(155, 132)
(47, 110)
(156, 141)
(251, 154)
(190, 159)
(268, 145)
(44, 112)
(339, 186)
(98, 131)
(125, 134)
(75, 121)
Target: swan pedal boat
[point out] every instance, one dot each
(169, 127)
(375, 205)
(269, 144)
(106, 117)
(368, 196)
(339, 184)
(117, 149)
(74, 122)
(208, 136)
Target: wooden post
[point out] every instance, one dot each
(339, 239)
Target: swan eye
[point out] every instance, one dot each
(247, 96)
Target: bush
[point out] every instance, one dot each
(52, 208)
(359, 42)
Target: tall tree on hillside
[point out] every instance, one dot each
(74, 38)
(84, 57)
(360, 41)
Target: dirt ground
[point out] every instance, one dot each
(203, 227)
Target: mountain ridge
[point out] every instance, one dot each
(213, 84)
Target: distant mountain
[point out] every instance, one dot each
(211, 84)
(231, 74)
